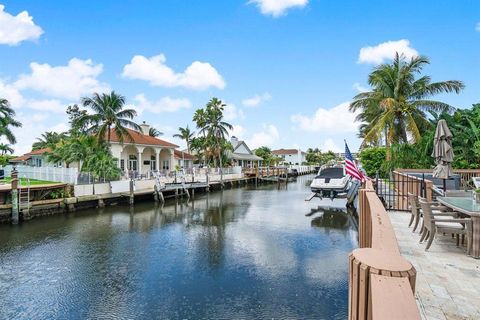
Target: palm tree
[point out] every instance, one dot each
(109, 113)
(396, 107)
(48, 139)
(215, 126)
(185, 134)
(152, 132)
(5, 148)
(7, 121)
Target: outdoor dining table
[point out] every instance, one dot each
(470, 207)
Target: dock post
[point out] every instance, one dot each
(132, 195)
(193, 192)
(101, 203)
(162, 198)
(14, 196)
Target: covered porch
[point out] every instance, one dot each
(246, 160)
(143, 159)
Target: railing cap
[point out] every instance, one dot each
(382, 260)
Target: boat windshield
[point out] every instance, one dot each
(332, 173)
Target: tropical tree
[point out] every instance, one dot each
(185, 134)
(7, 121)
(5, 148)
(48, 139)
(152, 132)
(395, 109)
(108, 113)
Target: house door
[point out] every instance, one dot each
(132, 163)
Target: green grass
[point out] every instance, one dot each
(22, 181)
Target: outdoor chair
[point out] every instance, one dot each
(416, 211)
(434, 223)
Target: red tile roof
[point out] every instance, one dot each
(183, 155)
(39, 151)
(140, 138)
(20, 159)
(285, 151)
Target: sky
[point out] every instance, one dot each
(287, 69)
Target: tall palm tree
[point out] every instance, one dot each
(108, 113)
(7, 121)
(396, 107)
(215, 126)
(185, 134)
(48, 140)
(152, 132)
(5, 148)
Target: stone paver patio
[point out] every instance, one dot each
(448, 281)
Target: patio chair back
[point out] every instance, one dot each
(414, 205)
(427, 214)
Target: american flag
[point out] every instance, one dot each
(351, 167)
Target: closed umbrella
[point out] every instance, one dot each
(443, 152)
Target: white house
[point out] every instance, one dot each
(142, 153)
(242, 155)
(291, 156)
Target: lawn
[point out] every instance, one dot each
(22, 181)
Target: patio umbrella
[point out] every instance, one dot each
(443, 152)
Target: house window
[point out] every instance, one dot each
(122, 165)
(153, 163)
(166, 165)
(132, 163)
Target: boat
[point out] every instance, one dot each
(332, 182)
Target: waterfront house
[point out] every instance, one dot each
(141, 153)
(242, 155)
(291, 156)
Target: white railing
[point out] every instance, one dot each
(54, 174)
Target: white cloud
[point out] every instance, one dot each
(256, 100)
(359, 88)
(72, 81)
(197, 76)
(477, 27)
(165, 104)
(11, 93)
(330, 145)
(386, 51)
(231, 112)
(336, 120)
(277, 8)
(52, 105)
(39, 117)
(237, 131)
(267, 137)
(31, 130)
(15, 29)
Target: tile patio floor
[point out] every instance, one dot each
(448, 281)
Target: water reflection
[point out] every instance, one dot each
(241, 253)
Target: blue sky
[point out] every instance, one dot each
(286, 68)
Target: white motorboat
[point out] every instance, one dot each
(331, 182)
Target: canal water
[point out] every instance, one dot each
(246, 253)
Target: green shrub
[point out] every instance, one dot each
(373, 160)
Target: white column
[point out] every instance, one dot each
(157, 159)
(139, 163)
(172, 160)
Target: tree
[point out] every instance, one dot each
(395, 108)
(266, 154)
(152, 132)
(185, 134)
(5, 148)
(74, 113)
(108, 113)
(48, 139)
(7, 121)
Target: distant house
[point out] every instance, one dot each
(183, 159)
(35, 158)
(291, 156)
(242, 155)
(141, 153)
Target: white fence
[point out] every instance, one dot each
(65, 175)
